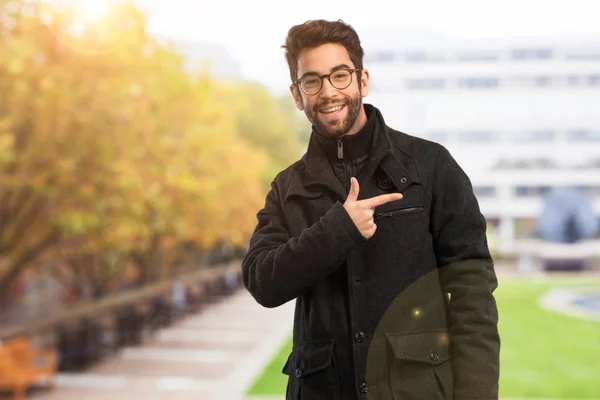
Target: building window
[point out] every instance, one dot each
(382, 57)
(582, 135)
(534, 136)
(484, 191)
(477, 83)
(477, 136)
(478, 56)
(522, 191)
(536, 163)
(434, 83)
(582, 80)
(531, 191)
(543, 81)
(590, 54)
(421, 56)
(437, 136)
(532, 54)
(521, 81)
(574, 80)
(383, 86)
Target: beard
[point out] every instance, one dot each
(338, 127)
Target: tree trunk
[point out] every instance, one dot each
(147, 260)
(24, 260)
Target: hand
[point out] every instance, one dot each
(362, 211)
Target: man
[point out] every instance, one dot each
(379, 238)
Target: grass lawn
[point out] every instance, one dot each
(543, 354)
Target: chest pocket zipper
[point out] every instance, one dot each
(387, 214)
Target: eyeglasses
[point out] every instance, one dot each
(339, 79)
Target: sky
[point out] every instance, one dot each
(253, 31)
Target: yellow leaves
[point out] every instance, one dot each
(148, 50)
(7, 141)
(66, 165)
(21, 87)
(126, 145)
(135, 89)
(265, 122)
(15, 67)
(88, 191)
(46, 84)
(154, 190)
(5, 125)
(188, 183)
(79, 222)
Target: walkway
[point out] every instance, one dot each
(214, 355)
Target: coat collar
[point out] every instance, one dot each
(319, 172)
(355, 146)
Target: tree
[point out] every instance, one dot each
(111, 152)
(266, 122)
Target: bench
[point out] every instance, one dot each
(23, 366)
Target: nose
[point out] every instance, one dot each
(328, 91)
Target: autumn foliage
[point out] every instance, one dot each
(113, 153)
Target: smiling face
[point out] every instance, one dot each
(333, 112)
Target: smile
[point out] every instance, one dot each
(332, 110)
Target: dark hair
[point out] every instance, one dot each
(315, 33)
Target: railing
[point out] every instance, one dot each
(86, 332)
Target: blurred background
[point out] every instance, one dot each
(138, 139)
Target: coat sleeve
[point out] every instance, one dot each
(278, 268)
(467, 274)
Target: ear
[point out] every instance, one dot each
(297, 97)
(364, 80)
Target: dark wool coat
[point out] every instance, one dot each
(408, 314)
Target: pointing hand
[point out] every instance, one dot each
(361, 211)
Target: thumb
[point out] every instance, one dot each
(354, 190)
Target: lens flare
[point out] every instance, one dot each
(89, 26)
(94, 10)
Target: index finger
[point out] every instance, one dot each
(381, 199)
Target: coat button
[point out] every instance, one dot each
(435, 357)
(363, 387)
(298, 373)
(360, 337)
(403, 179)
(384, 183)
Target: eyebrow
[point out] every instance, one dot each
(340, 66)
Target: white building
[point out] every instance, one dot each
(521, 116)
(207, 57)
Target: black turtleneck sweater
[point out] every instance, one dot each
(348, 154)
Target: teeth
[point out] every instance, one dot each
(334, 109)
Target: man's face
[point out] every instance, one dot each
(321, 108)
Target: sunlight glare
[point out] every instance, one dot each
(94, 10)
